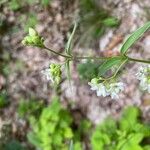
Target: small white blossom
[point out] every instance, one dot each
(102, 90)
(47, 74)
(115, 89)
(107, 88)
(144, 76)
(53, 73)
(93, 84)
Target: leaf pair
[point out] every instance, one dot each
(68, 50)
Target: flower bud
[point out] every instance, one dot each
(32, 32)
(33, 39)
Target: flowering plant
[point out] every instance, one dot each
(110, 86)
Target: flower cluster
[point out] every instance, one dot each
(144, 76)
(53, 73)
(33, 39)
(106, 88)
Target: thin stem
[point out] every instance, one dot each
(87, 57)
(139, 60)
(53, 51)
(102, 58)
(76, 57)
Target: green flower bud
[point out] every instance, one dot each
(32, 32)
(57, 79)
(55, 70)
(94, 80)
(33, 39)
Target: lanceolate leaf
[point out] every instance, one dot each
(108, 64)
(68, 46)
(134, 37)
(67, 65)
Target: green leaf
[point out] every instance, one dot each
(131, 142)
(147, 147)
(68, 45)
(129, 119)
(14, 145)
(33, 139)
(68, 71)
(108, 64)
(136, 138)
(88, 70)
(134, 37)
(45, 2)
(71, 145)
(111, 22)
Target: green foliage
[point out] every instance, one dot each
(33, 39)
(68, 48)
(3, 99)
(45, 2)
(15, 4)
(28, 16)
(13, 145)
(68, 51)
(134, 37)
(83, 129)
(55, 71)
(18, 4)
(108, 64)
(67, 67)
(88, 70)
(31, 21)
(53, 129)
(71, 146)
(7, 142)
(94, 20)
(126, 134)
(30, 107)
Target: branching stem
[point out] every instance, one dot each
(88, 57)
(76, 57)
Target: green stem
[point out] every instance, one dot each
(101, 58)
(76, 57)
(87, 57)
(53, 51)
(139, 60)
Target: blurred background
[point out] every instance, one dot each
(29, 103)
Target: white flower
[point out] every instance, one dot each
(107, 88)
(93, 84)
(93, 87)
(47, 74)
(102, 90)
(115, 89)
(53, 73)
(144, 76)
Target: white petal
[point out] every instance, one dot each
(99, 93)
(114, 95)
(93, 86)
